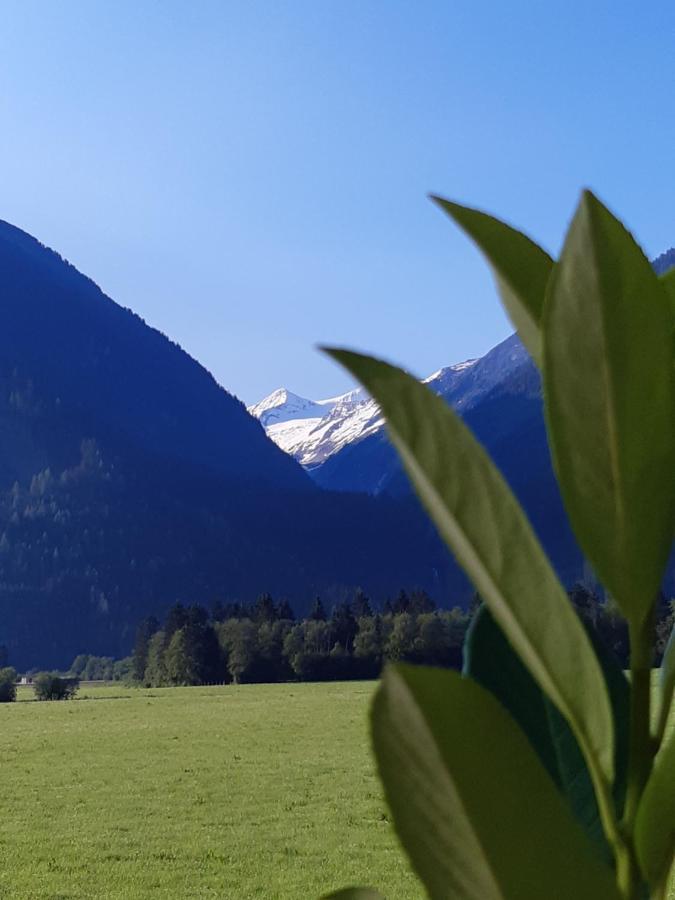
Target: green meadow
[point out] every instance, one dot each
(254, 791)
(262, 791)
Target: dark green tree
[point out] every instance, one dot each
(264, 609)
(144, 633)
(233, 611)
(402, 603)
(178, 663)
(317, 612)
(79, 664)
(285, 611)
(369, 642)
(238, 637)
(203, 650)
(176, 618)
(52, 686)
(7, 684)
(433, 644)
(155, 671)
(361, 605)
(421, 602)
(401, 640)
(343, 626)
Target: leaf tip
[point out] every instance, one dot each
(336, 353)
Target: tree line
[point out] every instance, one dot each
(46, 686)
(264, 643)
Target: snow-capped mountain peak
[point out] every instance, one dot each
(282, 405)
(313, 430)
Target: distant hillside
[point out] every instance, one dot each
(129, 479)
(63, 341)
(665, 261)
(499, 397)
(503, 374)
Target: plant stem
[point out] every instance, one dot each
(610, 825)
(641, 751)
(664, 715)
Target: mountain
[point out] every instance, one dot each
(130, 479)
(498, 396)
(492, 383)
(64, 341)
(664, 262)
(342, 442)
(314, 430)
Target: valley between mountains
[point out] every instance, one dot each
(130, 479)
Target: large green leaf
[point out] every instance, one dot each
(490, 660)
(610, 399)
(521, 268)
(472, 804)
(668, 281)
(483, 524)
(667, 683)
(655, 826)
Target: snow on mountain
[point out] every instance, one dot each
(283, 406)
(313, 430)
(486, 374)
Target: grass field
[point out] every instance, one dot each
(235, 792)
(260, 791)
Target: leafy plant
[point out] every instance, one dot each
(50, 686)
(7, 684)
(537, 773)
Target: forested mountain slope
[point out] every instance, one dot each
(130, 479)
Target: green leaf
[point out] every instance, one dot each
(490, 660)
(521, 268)
(610, 400)
(354, 894)
(667, 680)
(668, 282)
(655, 825)
(474, 808)
(668, 665)
(483, 524)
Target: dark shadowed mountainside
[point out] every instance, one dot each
(130, 479)
(499, 397)
(69, 344)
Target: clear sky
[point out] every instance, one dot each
(250, 177)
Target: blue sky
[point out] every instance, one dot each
(250, 177)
